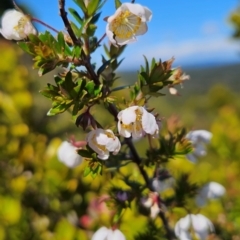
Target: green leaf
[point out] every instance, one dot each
(146, 65)
(61, 42)
(76, 52)
(92, 7)
(87, 171)
(84, 153)
(49, 93)
(26, 47)
(121, 87)
(117, 4)
(81, 4)
(77, 31)
(76, 16)
(96, 17)
(90, 87)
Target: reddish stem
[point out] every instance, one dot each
(44, 24)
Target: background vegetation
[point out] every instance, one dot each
(40, 198)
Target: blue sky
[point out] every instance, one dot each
(195, 32)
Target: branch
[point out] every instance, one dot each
(67, 24)
(77, 42)
(136, 159)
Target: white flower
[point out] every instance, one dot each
(200, 225)
(103, 142)
(136, 122)
(198, 138)
(104, 233)
(128, 22)
(212, 190)
(162, 185)
(67, 154)
(152, 202)
(16, 25)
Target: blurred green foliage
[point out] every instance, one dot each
(40, 198)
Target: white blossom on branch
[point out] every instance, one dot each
(128, 22)
(16, 26)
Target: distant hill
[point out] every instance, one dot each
(201, 79)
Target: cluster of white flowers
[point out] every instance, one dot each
(16, 26)
(199, 139)
(134, 121)
(198, 224)
(122, 28)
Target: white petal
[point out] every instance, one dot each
(110, 35)
(182, 234)
(101, 234)
(128, 115)
(199, 135)
(147, 202)
(200, 150)
(123, 41)
(202, 226)
(160, 186)
(154, 210)
(117, 235)
(215, 190)
(149, 123)
(143, 12)
(123, 132)
(185, 223)
(67, 154)
(191, 158)
(142, 29)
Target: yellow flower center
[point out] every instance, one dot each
(100, 146)
(125, 25)
(134, 126)
(21, 24)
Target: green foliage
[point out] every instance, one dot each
(43, 199)
(71, 92)
(48, 52)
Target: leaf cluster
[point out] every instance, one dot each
(70, 92)
(49, 52)
(169, 146)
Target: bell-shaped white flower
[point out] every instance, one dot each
(198, 224)
(128, 22)
(198, 138)
(104, 233)
(103, 142)
(135, 121)
(212, 190)
(16, 26)
(67, 154)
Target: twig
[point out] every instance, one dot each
(44, 24)
(136, 159)
(67, 24)
(99, 41)
(77, 41)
